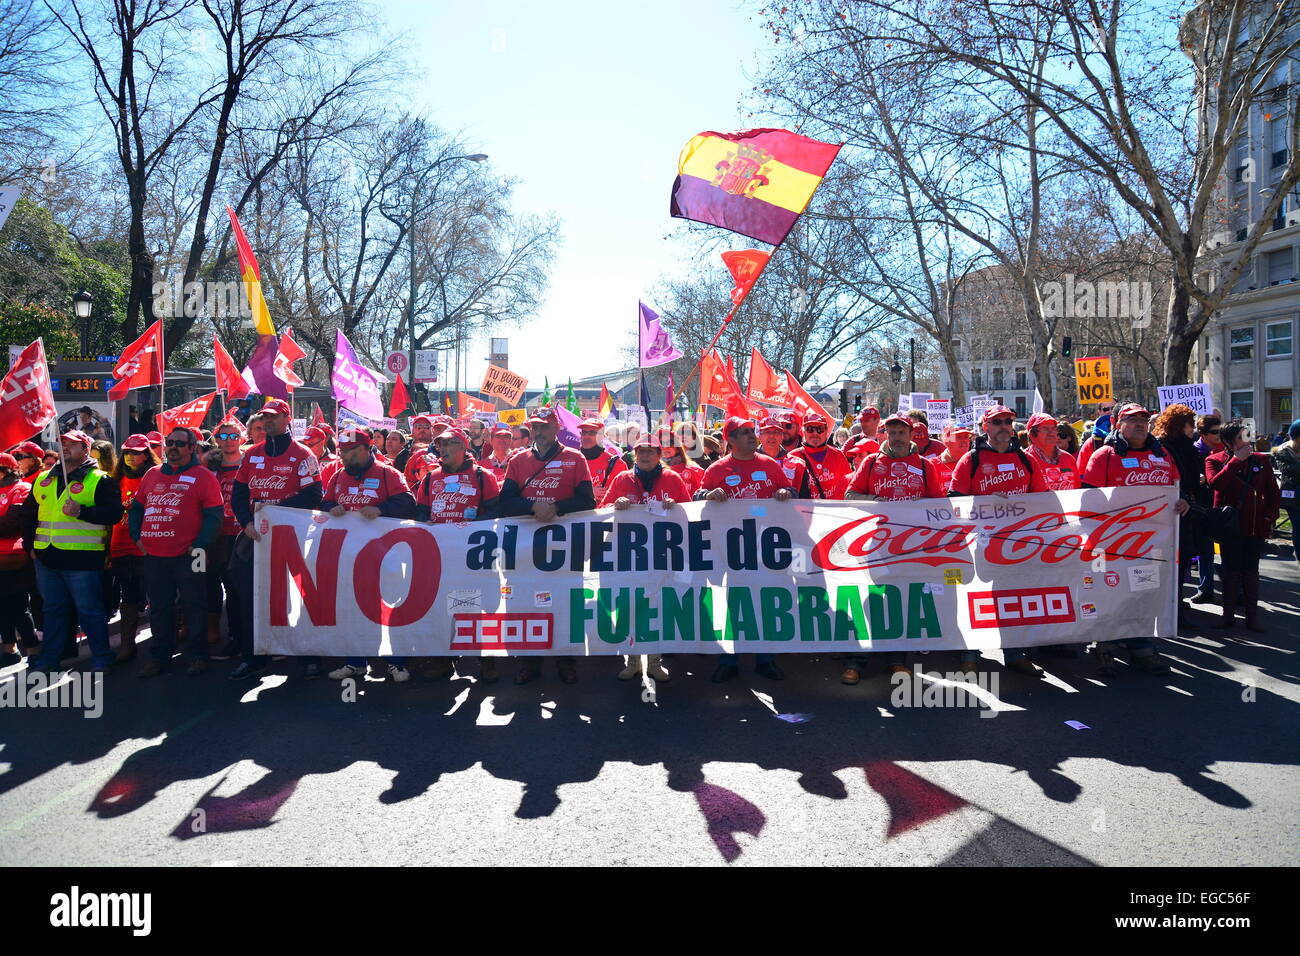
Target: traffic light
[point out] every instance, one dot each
(844, 401)
(857, 404)
(1067, 346)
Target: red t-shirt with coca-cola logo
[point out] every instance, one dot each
(760, 477)
(897, 479)
(457, 495)
(377, 484)
(555, 479)
(225, 475)
(1060, 475)
(626, 484)
(998, 472)
(1110, 468)
(173, 508)
(830, 469)
(274, 478)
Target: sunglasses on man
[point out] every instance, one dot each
(170, 443)
(226, 436)
(1008, 422)
(815, 429)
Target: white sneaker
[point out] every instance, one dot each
(348, 670)
(399, 674)
(656, 669)
(633, 668)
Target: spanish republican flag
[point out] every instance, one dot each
(606, 407)
(755, 182)
(252, 277)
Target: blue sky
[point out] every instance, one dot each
(588, 105)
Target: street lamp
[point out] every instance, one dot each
(82, 305)
(895, 371)
(410, 249)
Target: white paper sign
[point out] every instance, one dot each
(938, 411)
(920, 398)
(299, 427)
(1195, 397)
(964, 416)
(8, 197)
(904, 403)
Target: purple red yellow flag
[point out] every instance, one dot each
(252, 277)
(755, 182)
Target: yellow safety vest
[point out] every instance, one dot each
(64, 532)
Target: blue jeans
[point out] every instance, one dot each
(64, 592)
(1205, 566)
(1293, 512)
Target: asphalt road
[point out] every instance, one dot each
(1196, 768)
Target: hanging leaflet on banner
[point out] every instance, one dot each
(721, 579)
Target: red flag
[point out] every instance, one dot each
(401, 398)
(140, 365)
(469, 405)
(745, 267)
(189, 415)
(606, 406)
(228, 378)
(26, 399)
(802, 402)
(285, 356)
(765, 385)
(317, 416)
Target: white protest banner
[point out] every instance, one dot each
(8, 197)
(904, 403)
(636, 414)
(487, 418)
(712, 577)
(503, 384)
(385, 423)
(938, 411)
(299, 428)
(978, 407)
(1196, 397)
(918, 399)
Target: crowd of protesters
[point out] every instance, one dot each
(165, 524)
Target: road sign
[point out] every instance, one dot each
(397, 363)
(499, 353)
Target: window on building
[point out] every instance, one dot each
(1021, 378)
(1020, 406)
(1280, 140)
(977, 379)
(996, 380)
(1281, 265)
(1241, 404)
(1241, 344)
(1247, 278)
(1277, 339)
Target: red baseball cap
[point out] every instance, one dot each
(355, 435)
(770, 424)
(155, 438)
(786, 417)
(8, 461)
(869, 413)
(815, 417)
(501, 429)
(994, 412)
(953, 431)
(454, 434)
(902, 420)
(136, 443)
(29, 448)
(734, 424)
(76, 435)
(314, 434)
(590, 424)
(1133, 409)
(544, 416)
(645, 441)
(277, 406)
(1040, 418)
(417, 419)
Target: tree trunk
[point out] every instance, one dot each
(1184, 329)
(954, 371)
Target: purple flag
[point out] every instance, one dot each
(259, 373)
(655, 347)
(354, 386)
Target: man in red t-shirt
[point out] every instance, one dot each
(898, 471)
(372, 489)
(771, 435)
(746, 474)
(956, 442)
(275, 471)
(828, 469)
(545, 481)
(865, 442)
(497, 452)
(174, 518)
(603, 463)
(1056, 465)
(1130, 457)
(224, 463)
(996, 465)
(925, 445)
